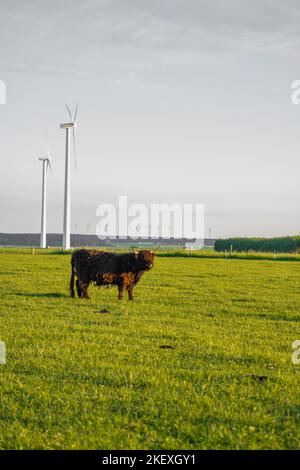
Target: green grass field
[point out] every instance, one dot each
(78, 378)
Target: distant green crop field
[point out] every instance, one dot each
(79, 378)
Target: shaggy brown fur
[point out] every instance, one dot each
(103, 269)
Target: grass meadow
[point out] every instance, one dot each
(200, 360)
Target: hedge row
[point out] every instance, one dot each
(266, 245)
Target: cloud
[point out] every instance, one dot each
(106, 34)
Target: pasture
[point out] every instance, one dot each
(200, 360)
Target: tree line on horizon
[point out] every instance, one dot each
(266, 245)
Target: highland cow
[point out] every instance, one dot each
(102, 268)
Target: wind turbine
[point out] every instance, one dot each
(67, 198)
(46, 164)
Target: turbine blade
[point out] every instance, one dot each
(47, 145)
(49, 165)
(69, 112)
(74, 148)
(75, 115)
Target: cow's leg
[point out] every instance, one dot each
(85, 287)
(121, 291)
(82, 289)
(72, 292)
(130, 292)
(78, 288)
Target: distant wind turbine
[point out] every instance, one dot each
(67, 198)
(46, 164)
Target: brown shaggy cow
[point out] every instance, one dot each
(103, 269)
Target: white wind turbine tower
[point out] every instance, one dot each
(46, 164)
(67, 198)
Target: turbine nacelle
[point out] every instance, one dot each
(68, 125)
(47, 160)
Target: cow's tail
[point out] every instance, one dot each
(72, 291)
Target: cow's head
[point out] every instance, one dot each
(145, 258)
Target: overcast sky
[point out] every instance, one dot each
(179, 101)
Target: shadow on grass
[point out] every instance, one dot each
(51, 295)
(269, 317)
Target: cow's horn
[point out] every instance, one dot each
(134, 250)
(157, 248)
